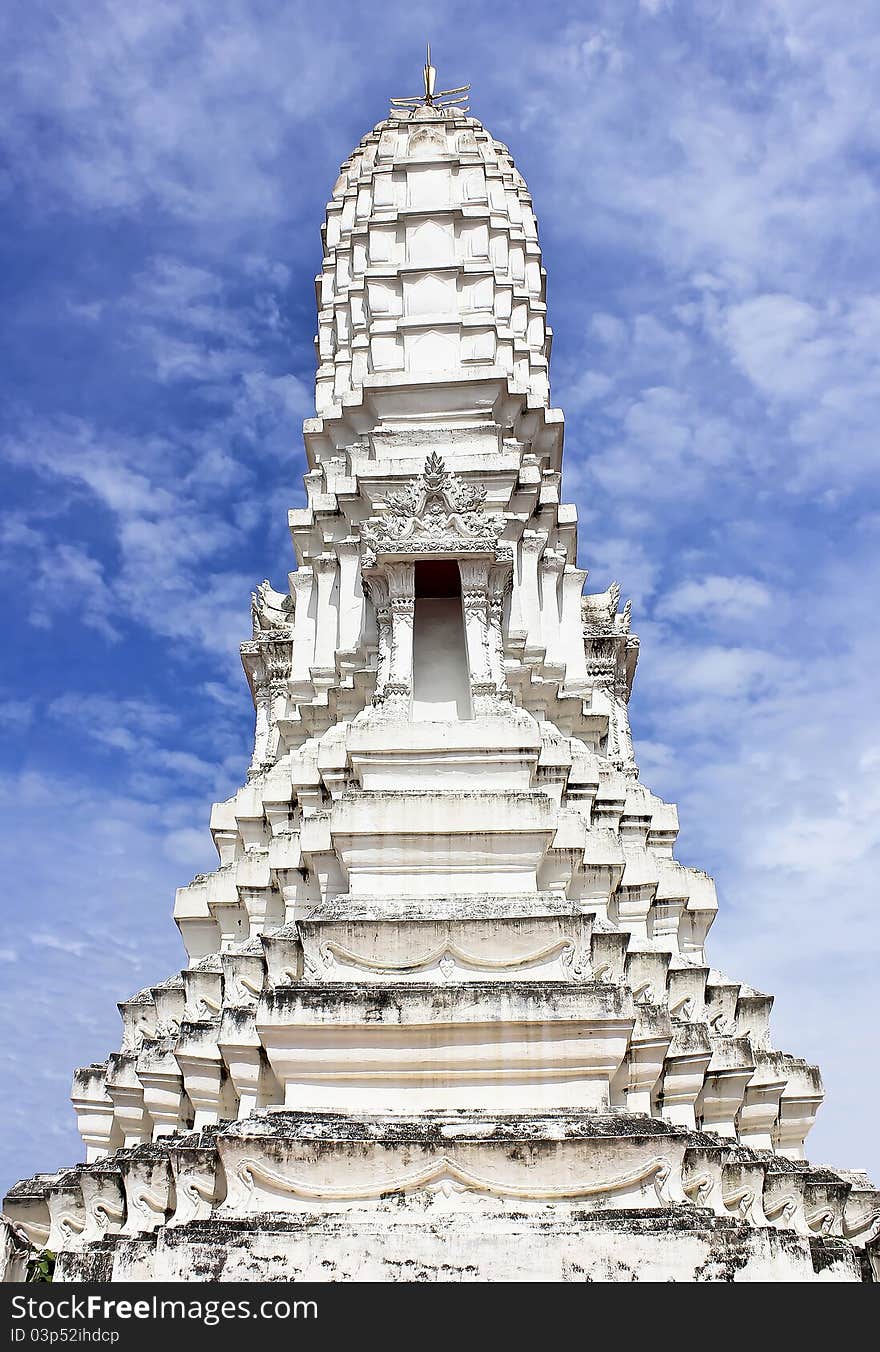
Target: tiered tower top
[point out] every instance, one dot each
(432, 269)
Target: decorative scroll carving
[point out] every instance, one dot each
(865, 1225)
(448, 954)
(699, 1188)
(446, 1170)
(821, 1221)
(435, 513)
(740, 1201)
(785, 1207)
(146, 1202)
(104, 1213)
(192, 1196)
(70, 1224)
(249, 987)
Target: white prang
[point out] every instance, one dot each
(447, 969)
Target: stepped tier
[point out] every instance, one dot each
(447, 989)
(558, 1070)
(450, 1196)
(431, 261)
(507, 1004)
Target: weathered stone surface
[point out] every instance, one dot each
(504, 1248)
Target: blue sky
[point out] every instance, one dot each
(706, 181)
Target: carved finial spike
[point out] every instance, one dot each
(434, 474)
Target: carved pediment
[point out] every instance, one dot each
(435, 513)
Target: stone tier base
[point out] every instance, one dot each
(450, 1196)
(382, 1246)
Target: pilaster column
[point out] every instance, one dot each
(263, 724)
(325, 643)
(351, 598)
(572, 634)
(531, 547)
(624, 748)
(277, 692)
(401, 594)
(302, 582)
(552, 564)
(475, 605)
(603, 702)
(516, 624)
(500, 583)
(377, 590)
(270, 692)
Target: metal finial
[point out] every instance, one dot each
(443, 98)
(430, 75)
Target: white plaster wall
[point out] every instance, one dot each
(440, 683)
(476, 1248)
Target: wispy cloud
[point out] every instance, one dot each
(719, 599)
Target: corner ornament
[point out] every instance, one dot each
(434, 513)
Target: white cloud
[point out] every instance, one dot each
(717, 598)
(615, 557)
(148, 739)
(774, 340)
(168, 506)
(104, 856)
(63, 943)
(227, 696)
(182, 105)
(821, 365)
(668, 447)
(124, 724)
(185, 846)
(57, 578)
(722, 672)
(193, 328)
(16, 714)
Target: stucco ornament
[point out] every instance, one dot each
(436, 512)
